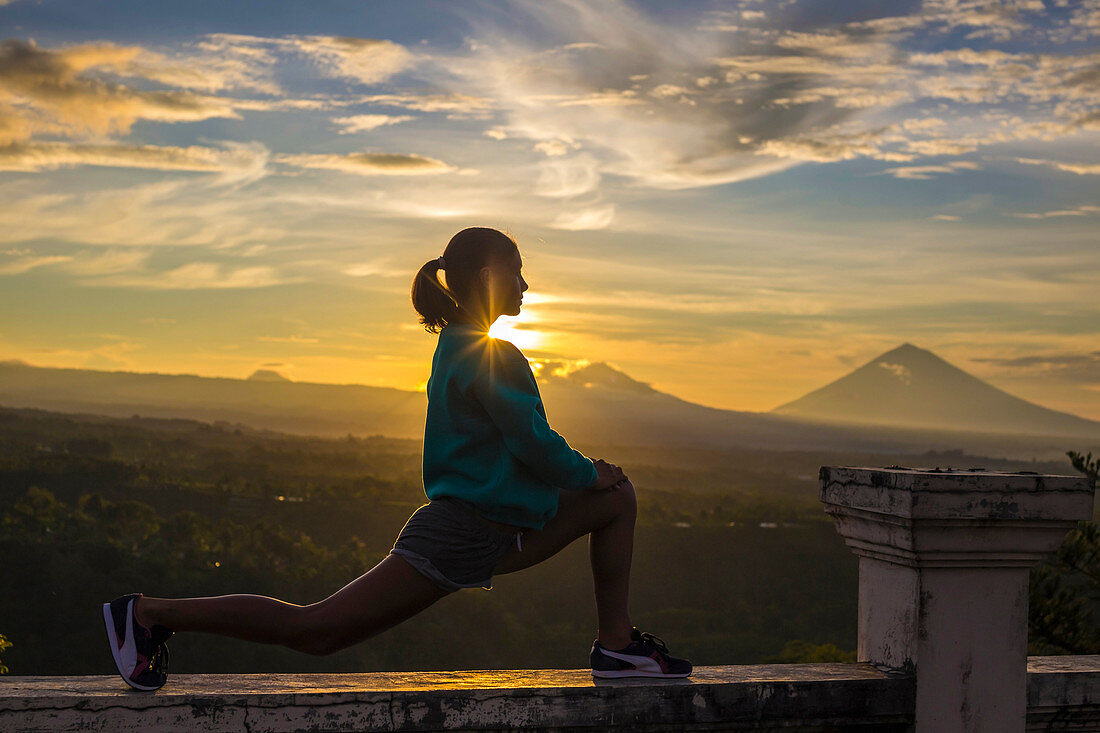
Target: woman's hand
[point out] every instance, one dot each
(608, 475)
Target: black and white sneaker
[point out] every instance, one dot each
(140, 654)
(645, 656)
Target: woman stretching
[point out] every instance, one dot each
(505, 493)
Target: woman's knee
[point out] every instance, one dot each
(625, 499)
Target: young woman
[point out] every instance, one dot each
(505, 493)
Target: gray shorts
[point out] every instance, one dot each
(452, 546)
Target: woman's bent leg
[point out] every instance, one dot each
(608, 517)
(391, 592)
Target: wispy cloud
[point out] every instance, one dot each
(26, 264)
(109, 262)
(381, 268)
(596, 217)
(368, 164)
(366, 60)
(1081, 169)
(455, 104)
(1070, 366)
(48, 156)
(1056, 213)
(365, 123)
(926, 172)
(195, 276)
(568, 177)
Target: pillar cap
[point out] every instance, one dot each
(923, 493)
(948, 518)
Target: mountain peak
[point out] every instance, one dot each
(905, 352)
(268, 375)
(589, 375)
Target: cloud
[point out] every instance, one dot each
(1067, 366)
(460, 104)
(553, 148)
(76, 91)
(364, 123)
(49, 156)
(368, 164)
(244, 58)
(596, 217)
(937, 147)
(663, 107)
(195, 276)
(568, 177)
(624, 87)
(990, 19)
(366, 60)
(52, 92)
(112, 261)
(818, 151)
(370, 269)
(625, 90)
(1081, 169)
(179, 210)
(26, 264)
(1076, 211)
(900, 371)
(927, 172)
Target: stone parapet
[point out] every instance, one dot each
(807, 697)
(1063, 694)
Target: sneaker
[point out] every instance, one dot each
(140, 654)
(645, 656)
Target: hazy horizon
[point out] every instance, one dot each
(735, 202)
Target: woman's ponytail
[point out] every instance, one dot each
(432, 299)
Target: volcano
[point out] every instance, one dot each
(913, 388)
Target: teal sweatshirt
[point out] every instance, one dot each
(486, 439)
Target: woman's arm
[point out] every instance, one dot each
(508, 393)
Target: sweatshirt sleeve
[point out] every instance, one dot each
(506, 389)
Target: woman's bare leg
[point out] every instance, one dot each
(608, 517)
(391, 592)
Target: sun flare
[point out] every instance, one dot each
(511, 328)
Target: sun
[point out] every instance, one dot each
(510, 328)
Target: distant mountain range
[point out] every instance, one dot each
(907, 398)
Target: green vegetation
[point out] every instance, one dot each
(4, 644)
(734, 558)
(1065, 590)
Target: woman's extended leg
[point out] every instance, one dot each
(608, 517)
(391, 592)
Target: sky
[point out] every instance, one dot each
(736, 202)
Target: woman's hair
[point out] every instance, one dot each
(461, 298)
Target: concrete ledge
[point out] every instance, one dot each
(1063, 694)
(810, 697)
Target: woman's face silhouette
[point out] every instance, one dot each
(504, 285)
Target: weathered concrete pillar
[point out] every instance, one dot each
(943, 580)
